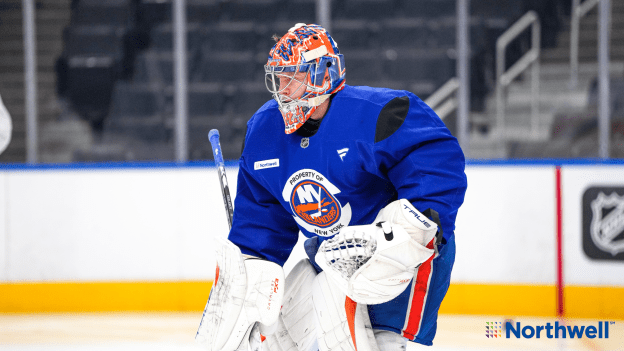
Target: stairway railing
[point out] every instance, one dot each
(578, 11)
(441, 101)
(531, 58)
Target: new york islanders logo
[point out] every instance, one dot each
(314, 204)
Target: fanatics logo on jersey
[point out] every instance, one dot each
(603, 223)
(266, 164)
(314, 204)
(342, 153)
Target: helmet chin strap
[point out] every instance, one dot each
(316, 101)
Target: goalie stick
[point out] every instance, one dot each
(213, 136)
(246, 290)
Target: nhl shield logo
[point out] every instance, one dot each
(603, 236)
(314, 204)
(605, 228)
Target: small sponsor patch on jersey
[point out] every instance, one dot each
(266, 164)
(343, 152)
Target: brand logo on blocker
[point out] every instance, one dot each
(550, 330)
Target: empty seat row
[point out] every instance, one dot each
(104, 12)
(210, 99)
(231, 67)
(244, 36)
(400, 65)
(225, 36)
(504, 11)
(217, 67)
(139, 100)
(157, 132)
(209, 11)
(268, 11)
(232, 133)
(430, 8)
(155, 129)
(87, 40)
(152, 12)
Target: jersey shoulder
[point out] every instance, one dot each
(368, 96)
(263, 115)
(263, 127)
(385, 111)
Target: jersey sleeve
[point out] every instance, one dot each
(261, 226)
(421, 158)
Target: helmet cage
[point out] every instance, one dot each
(317, 81)
(274, 73)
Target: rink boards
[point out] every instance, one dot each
(138, 237)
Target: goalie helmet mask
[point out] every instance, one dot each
(305, 61)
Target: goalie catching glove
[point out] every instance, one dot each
(244, 292)
(374, 263)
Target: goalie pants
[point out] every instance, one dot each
(414, 313)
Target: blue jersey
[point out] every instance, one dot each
(373, 146)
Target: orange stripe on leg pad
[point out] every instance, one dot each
(350, 307)
(216, 276)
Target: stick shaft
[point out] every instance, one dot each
(213, 136)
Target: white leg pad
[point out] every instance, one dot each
(295, 329)
(278, 339)
(390, 341)
(246, 292)
(298, 309)
(341, 323)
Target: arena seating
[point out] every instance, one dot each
(94, 40)
(404, 44)
(233, 36)
(233, 66)
(251, 10)
(90, 82)
(96, 54)
(353, 34)
(119, 13)
(152, 12)
(367, 9)
(135, 99)
(430, 9)
(162, 37)
(296, 11)
(249, 97)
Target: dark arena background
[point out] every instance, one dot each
(110, 199)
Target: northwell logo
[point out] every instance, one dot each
(266, 164)
(550, 331)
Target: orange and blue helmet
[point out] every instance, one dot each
(310, 49)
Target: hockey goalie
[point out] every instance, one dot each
(373, 179)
